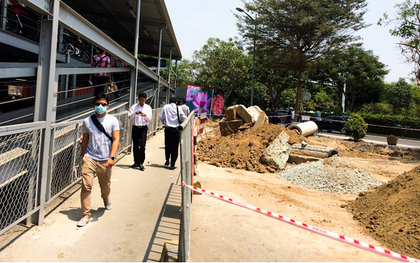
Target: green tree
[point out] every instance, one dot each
(221, 64)
(297, 33)
(186, 74)
(356, 69)
(407, 28)
(399, 94)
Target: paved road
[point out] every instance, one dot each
(374, 138)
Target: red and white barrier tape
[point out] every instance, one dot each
(313, 229)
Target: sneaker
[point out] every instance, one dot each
(136, 165)
(172, 168)
(108, 205)
(82, 222)
(141, 167)
(167, 163)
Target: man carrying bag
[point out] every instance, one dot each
(101, 136)
(171, 117)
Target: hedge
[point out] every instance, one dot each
(398, 125)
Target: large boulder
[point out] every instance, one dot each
(230, 113)
(255, 112)
(262, 119)
(243, 113)
(229, 127)
(277, 153)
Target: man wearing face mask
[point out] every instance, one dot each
(140, 115)
(101, 135)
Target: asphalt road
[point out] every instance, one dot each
(375, 138)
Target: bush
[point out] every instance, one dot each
(356, 127)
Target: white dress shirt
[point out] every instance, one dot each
(169, 117)
(137, 119)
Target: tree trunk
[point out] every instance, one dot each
(298, 93)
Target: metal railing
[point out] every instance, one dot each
(21, 159)
(187, 172)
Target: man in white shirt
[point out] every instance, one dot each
(99, 148)
(184, 107)
(140, 114)
(171, 116)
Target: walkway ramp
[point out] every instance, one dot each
(144, 216)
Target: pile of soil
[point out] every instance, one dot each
(391, 213)
(243, 149)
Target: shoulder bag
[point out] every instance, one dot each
(99, 126)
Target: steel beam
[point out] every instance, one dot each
(79, 71)
(43, 7)
(78, 25)
(17, 72)
(3, 14)
(18, 42)
(158, 70)
(46, 102)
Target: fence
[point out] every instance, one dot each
(187, 172)
(21, 160)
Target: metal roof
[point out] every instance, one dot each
(117, 18)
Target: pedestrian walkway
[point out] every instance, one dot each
(145, 214)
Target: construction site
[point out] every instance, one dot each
(361, 190)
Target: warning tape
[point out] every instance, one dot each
(313, 229)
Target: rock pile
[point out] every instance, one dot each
(333, 175)
(238, 115)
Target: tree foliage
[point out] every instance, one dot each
(407, 28)
(354, 71)
(186, 73)
(399, 94)
(221, 64)
(297, 33)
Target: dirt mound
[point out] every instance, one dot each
(391, 213)
(243, 149)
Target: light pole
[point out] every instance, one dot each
(253, 54)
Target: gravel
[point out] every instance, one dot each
(333, 175)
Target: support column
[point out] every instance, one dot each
(135, 74)
(4, 14)
(168, 90)
(46, 102)
(176, 73)
(158, 69)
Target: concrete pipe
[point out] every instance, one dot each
(305, 128)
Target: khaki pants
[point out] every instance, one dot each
(90, 168)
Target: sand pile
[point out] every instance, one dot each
(391, 213)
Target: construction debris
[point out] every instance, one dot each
(236, 116)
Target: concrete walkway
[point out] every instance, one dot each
(144, 216)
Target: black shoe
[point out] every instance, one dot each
(136, 165)
(167, 163)
(141, 167)
(172, 168)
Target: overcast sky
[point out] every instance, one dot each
(195, 21)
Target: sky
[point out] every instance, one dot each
(195, 21)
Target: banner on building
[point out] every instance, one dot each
(205, 99)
